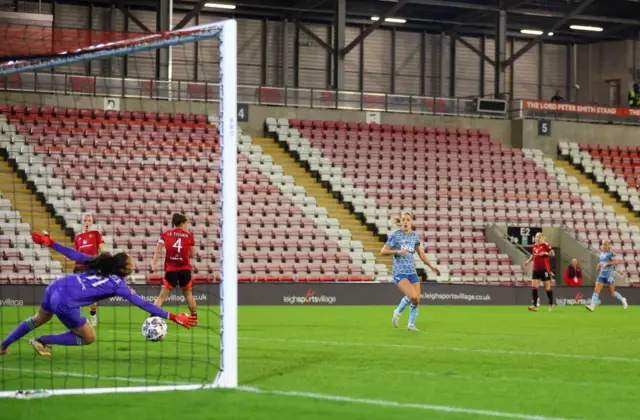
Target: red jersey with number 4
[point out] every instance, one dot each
(88, 243)
(177, 243)
(541, 262)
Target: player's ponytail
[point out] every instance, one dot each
(106, 264)
(396, 219)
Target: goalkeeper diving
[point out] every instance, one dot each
(104, 278)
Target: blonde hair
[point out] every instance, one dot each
(396, 219)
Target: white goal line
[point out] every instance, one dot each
(134, 379)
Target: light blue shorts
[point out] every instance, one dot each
(607, 279)
(413, 278)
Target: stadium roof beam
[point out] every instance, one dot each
(549, 14)
(514, 10)
(579, 8)
(454, 4)
(313, 36)
(125, 11)
(474, 15)
(193, 13)
(399, 5)
(473, 49)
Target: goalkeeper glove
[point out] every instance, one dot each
(185, 320)
(42, 239)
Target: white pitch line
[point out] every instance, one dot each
(437, 348)
(433, 348)
(88, 376)
(394, 404)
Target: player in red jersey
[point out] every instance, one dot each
(88, 242)
(540, 253)
(180, 246)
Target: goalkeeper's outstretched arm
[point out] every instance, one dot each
(72, 254)
(127, 293)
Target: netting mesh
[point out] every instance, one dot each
(72, 144)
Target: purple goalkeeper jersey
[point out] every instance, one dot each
(83, 289)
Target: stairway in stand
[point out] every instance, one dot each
(32, 211)
(324, 198)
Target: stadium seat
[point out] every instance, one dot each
(118, 165)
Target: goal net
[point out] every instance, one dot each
(109, 158)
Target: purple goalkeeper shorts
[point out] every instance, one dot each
(54, 301)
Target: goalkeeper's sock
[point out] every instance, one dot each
(413, 314)
(403, 304)
(64, 339)
(21, 330)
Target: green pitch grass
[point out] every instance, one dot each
(566, 364)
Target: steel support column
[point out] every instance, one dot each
(452, 68)
(500, 50)
(329, 69)
(87, 65)
(443, 66)
(53, 25)
(361, 64)
(163, 24)
(338, 46)
(570, 82)
(540, 71)
(263, 53)
(511, 44)
(393, 60)
(296, 57)
(483, 41)
(109, 23)
(125, 59)
(423, 63)
(196, 53)
(285, 52)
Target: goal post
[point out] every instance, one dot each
(227, 375)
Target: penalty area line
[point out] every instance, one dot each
(395, 404)
(456, 349)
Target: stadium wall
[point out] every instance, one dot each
(536, 75)
(573, 132)
(571, 248)
(561, 240)
(369, 67)
(339, 294)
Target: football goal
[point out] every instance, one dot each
(101, 154)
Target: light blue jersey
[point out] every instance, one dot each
(399, 240)
(607, 274)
